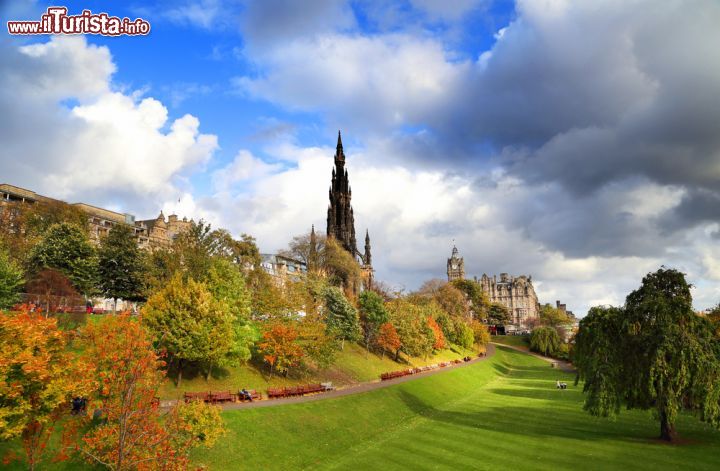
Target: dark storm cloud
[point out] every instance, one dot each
(696, 207)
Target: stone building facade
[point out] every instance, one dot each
(341, 218)
(150, 234)
(516, 293)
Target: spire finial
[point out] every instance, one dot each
(339, 143)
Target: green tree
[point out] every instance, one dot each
(66, 247)
(341, 317)
(545, 340)
(553, 317)
(227, 285)
(410, 321)
(340, 266)
(190, 324)
(11, 280)
(120, 266)
(372, 315)
(656, 353)
(498, 314)
(464, 335)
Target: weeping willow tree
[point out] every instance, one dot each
(655, 353)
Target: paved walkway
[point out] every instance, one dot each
(347, 390)
(565, 366)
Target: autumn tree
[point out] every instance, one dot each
(453, 301)
(11, 280)
(279, 348)
(410, 321)
(51, 286)
(340, 266)
(481, 335)
(655, 353)
(39, 375)
(439, 338)
(120, 265)
(318, 344)
(388, 339)
(341, 316)
(190, 324)
(477, 298)
(66, 248)
(372, 315)
(132, 434)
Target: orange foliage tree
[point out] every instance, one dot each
(279, 348)
(131, 434)
(439, 342)
(388, 339)
(38, 377)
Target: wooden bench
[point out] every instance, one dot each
(275, 392)
(222, 396)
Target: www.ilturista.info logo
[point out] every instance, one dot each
(57, 21)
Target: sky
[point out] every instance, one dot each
(576, 142)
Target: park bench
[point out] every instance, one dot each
(275, 392)
(222, 396)
(327, 386)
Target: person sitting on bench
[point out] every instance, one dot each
(246, 394)
(560, 385)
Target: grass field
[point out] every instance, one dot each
(514, 340)
(503, 413)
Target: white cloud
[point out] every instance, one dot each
(102, 147)
(365, 82)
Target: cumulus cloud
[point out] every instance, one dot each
(68, 133)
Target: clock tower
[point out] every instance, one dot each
(455, 266)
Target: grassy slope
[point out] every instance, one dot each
(504, 413)
(514, 340)
(352, 366)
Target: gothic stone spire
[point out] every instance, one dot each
(340, 218)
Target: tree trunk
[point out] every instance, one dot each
(342, 344)
(179, 378)
(209, 372)
(114, 305)
(667, 430)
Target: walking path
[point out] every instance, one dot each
(348, 390)
(565, 366)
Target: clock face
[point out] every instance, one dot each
(454, 266)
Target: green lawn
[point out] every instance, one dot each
(504, 413)
(514, 340)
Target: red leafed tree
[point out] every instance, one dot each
(279, 348)
(52, 286)
(38, 377)
(388, 339)
(439, 343)
(131, 434)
